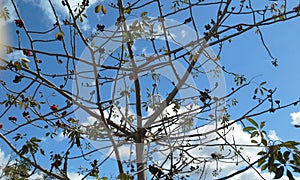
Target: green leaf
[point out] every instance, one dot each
(263, 83)
(280, 157)
(17, 65)
(42, 152)
(261, 153)
(127, 10)
(289, 175)
(250, 128)
(279, 172)
(262, 124)
(290, 144)
(286, 155)
(264, 142)
(296, 169)
(264, 167)
(34, 140)
(24, 150)
(252, 121)
(281, 17)
(260, 162)
(257, 31)
(253, 134)
(254, 141)
(296, 159)
(25, 65)
(134, 23)
(72, 120)
(123, 176)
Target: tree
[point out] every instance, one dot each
(147, 82)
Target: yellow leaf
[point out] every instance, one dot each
(97, 9)
(25, 60)
(144, 14)
(103, 9)
(25, 65)
(191, 57)
(195, 58)
(72, 120)
(17, 65)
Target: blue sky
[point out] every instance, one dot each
(245, 54)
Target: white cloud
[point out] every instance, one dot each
(183, 33)
(3, 159)
(75, 176)
(85, 25)
(295, 117)
(62, 11)
(240, 137)
(273, 136)
(60, 137)
(71, 175)
(12, 13)
(252, 175)
(15, 55)
(237, 136)
(125, 152)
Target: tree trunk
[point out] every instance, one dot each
(141, 166)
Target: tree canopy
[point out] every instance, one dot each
(144, 90)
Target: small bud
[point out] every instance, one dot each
(54, 107)
(19, 23)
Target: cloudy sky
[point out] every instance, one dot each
(248, 57)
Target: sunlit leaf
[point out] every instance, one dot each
(103, 9)
(260, 162)
(262, 124)
(252, 121)
(144, 14)
(97, 9)
(17, 65)
(25, 65)
(264, 142)
(253, 134)
(250, 128)
(290, 144)
(25, 60)
(264, 167)
(254, 141)
(296, 159)
(127, 10)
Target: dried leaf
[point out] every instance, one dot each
(103, 9)
(144, 14)
(97, 9)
